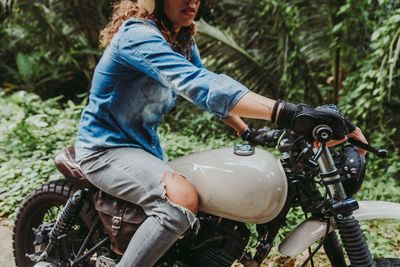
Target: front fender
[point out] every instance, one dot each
(311, 230)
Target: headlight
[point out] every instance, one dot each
(351, 166)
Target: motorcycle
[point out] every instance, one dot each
(71, 223)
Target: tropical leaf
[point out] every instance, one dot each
(316, 31)
(223, 54)
(5, 9)
(266, 31)
(57, 35)
(393, 60)
(25, 65)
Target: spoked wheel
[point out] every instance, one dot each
(387, 262)
(334, 250)
(42, 208)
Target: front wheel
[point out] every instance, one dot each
(387, 262)
(41, 208)
(334, 250)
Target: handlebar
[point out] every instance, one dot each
(380, 153)
(323, 134)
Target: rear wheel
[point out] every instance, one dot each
(42, 207)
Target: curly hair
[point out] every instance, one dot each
(126, 9)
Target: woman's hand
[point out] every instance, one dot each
(263, 137)
(356, 134)
(330, 143)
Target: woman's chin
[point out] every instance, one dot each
(186, 22)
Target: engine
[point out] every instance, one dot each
(219, 242)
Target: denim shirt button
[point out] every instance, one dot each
(153, 146)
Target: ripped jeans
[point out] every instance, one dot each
(136, 176)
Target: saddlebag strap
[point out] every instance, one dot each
(120, 219)
(116, 224)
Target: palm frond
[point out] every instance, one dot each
(393, 60)
(315, 31)
(5, 9)
(228, 57)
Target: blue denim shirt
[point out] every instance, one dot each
(136, 83)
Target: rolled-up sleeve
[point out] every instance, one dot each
(142, 47)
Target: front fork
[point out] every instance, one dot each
(341, 208)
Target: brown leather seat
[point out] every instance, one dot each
(66, 164)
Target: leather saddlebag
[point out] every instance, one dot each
(120, 219)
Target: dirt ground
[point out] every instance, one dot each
(6, 256)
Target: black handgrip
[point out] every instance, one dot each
(380, 153)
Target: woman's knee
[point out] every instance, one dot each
(181, 192)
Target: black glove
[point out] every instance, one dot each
(303, 119)
(263, 137)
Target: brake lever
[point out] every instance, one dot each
(319, 152)
(380, 153)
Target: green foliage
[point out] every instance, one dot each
(382, 174)
(5, 9)
(299, 44)
(32, 73)
(249, 72)
(29, 130)
(374, 87)
(266, 30)
(382, 238)
(51, 45)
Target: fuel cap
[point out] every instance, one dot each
(244, 150)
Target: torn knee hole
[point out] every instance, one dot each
(180, 191)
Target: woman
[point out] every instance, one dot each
(150, 58)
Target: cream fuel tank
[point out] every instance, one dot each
(247, 186)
